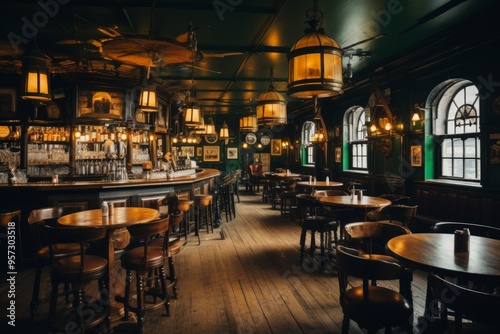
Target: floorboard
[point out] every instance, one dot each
(249, 282)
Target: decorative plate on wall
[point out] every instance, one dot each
(265, 140)
(212, 139)
(251, 138)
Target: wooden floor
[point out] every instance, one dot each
(249, 282)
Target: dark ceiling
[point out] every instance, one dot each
(239, 41)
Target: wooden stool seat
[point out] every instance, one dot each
(204, 203)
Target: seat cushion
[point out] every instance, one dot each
(68, 269)
(385, 306)
(133, 259)
(60, 250)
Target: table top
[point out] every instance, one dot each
(434, 252)
(121, 217)
(365, 202)
(282, 175)
(319, 184)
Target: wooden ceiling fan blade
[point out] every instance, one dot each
(221, 55)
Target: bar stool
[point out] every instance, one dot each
(204, 210)
(146, 259)
(185, 207)
(10, 221)
(79, 270)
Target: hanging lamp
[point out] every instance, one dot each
(148, 101)
(35, 75)
(224, 132)
(192, 112)
(315, 62)
(248, 123)
(271, 107)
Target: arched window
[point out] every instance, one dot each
(357, 138)
(308, 130)
(457, 132)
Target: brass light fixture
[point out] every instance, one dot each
(320, 135)
(192, 112)
(210, 127)
(35, 75)
(148, 101)
(315, 62)
(271, 107)
(248, 123)
(224, 132)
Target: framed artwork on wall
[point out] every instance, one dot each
(99, 103)
(232, 153)
(211, 153)
(275, 147)
(161, 119)
(338, 154)
(416, 155)
(199, 151)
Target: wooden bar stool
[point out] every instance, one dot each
(204, 210)
(78, 270)
(143, 260)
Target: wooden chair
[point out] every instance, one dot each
(371, 307)
(400, 214)
(370, 238)
(255, 176)
(378, 213)
(79, 270)
(344, 215)
(36, 220)
(475, 229)
(315, 221)
(144, 260)
(478, 308)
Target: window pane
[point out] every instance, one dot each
(458, 150)
(446, 168)
(470, 148)
(470, 168)
(458, 168)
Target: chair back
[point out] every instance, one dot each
(169, 203)
(479, 307)
(371, 237)
(401, 213)
(351, 263)
(475, 229)
(396, 198)
(148, 231)
(255, 169)
(72, 235)
(45, 216)
(308, 206)
(330, 192)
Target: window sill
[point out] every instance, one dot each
(356, 171)
(456, 182)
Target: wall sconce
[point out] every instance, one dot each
(418, 114)
(35, 75)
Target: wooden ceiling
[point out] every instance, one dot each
(238, 42)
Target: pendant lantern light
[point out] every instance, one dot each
(248, 123)
(224, 132)
(271, 107)
(315, 62)
(35, 75)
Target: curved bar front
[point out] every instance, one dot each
(90, 194)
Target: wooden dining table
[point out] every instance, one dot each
(366, 202)
(319, 185)
(115, 223)
(435, 253)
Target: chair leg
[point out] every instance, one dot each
(126, 303)
(165, 296)
(302, 245)
(36, 293)
(140, 311)
(104, 293)
(53, 301)
(173, 277)
(345, 325)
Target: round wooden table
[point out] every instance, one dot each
(120, 218)
(319, 185)
(366, 202)
(434, 252)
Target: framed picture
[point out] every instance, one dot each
(8, 102)
(187, 151)
(232, 153)
(199, 151)
(275, 146)
(100, 103)
(338, 154)
(416, 155)
(211, 153)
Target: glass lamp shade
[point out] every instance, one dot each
(249, 124)
(148, 101)
(315, 67)
(224, 132)
(192, 115)
(200, 128)
(35, 76)
(210, 128)
(271, 109)
(416, 117)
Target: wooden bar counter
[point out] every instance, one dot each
(90, 194)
